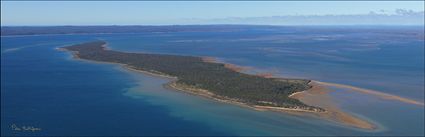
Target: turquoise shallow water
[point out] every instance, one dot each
(46, 88)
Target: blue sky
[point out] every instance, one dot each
(189, 12)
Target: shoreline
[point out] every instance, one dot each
(194, 91)
(125, 66)
(333, 114)
(204, 93)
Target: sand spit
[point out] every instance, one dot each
(318, 96)
(373, 92)
(265, 75)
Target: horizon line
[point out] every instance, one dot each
(151, 25)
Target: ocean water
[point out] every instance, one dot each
(48, 89)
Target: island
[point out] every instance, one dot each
(224, 82)
(208, 78)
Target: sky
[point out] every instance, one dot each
(47, 13)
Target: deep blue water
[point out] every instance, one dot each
(46, 88)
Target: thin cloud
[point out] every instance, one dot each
(381, 17)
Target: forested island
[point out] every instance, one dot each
(211, 79)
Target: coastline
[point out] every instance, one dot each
(204, 93)
(194, 91)
(125, 66)
(332, 114)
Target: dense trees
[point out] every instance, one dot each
(214, 77)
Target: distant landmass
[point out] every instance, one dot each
(43, 30)
(54, 30)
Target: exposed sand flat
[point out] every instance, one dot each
(210, 59)
(265, 75)
(226, 65)
(317, 96)
(373, 92)
(235, 67)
